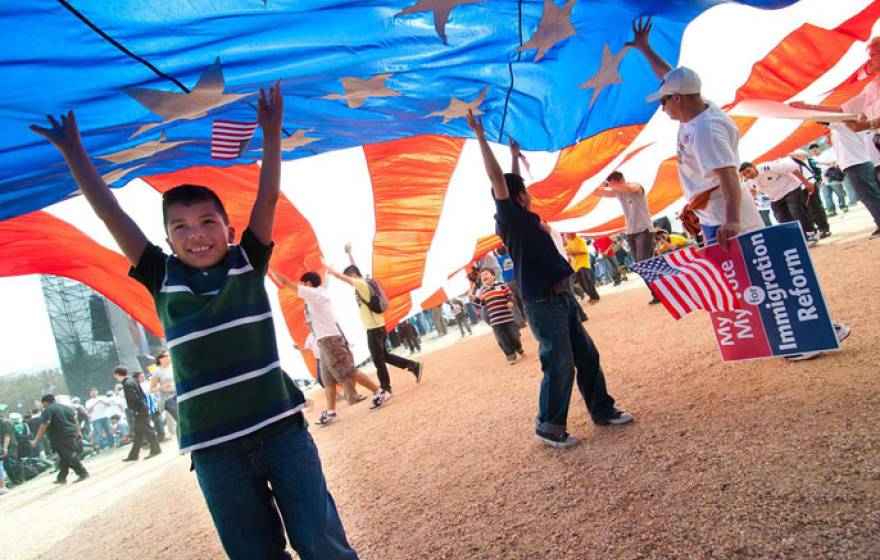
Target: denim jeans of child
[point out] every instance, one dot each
(567, 354)
(250, 484)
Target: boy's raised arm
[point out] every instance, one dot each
(270, 115)
(641, 32)
(125, 231)
(499, 186)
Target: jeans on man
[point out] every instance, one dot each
(642, 245)
(828, 191)
(792, 207)
(101, 430)
(567, 354)
(143, 431)
(67, 449)
(380, 355)
(508, 337)
(864, 182)
(252, 483)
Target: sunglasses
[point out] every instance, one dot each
(664, 99)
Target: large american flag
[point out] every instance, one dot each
(229, 139)
(685, 281)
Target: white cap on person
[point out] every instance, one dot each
(682, 81)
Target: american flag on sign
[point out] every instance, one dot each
(685, 281)
(229, 139)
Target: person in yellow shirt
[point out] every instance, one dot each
(579, 259)
(374, 323)
(666, 242)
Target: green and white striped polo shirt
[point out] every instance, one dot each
(221, 337)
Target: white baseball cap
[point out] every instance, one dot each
(682, 81)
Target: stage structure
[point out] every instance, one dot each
(93, 335)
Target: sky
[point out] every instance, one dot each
(26, 341)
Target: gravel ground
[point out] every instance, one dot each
(762, 459)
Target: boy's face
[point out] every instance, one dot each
(816, 151)
(197, 233)
(487, 278)
(749, 173)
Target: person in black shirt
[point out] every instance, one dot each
(543, 277)
(136, 400)
(59, 422)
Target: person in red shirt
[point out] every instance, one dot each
(605, 247)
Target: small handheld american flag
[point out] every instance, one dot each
(685, 281)
(229, 139)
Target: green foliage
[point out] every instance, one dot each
(25, 388)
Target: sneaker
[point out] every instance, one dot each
(511, 359)
(812, 240)
(841, 331)
(556, 440)
(824, 234)
(153, 454)
(326, 418)
(617, 418)
(521, 352)
(804, 356)
(832, 213)
(60, 481)
(82, 477)
(654, 301)
(129, 459)
(381, 397)
(876, 234)
(419, 369)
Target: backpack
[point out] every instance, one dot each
(378, 300)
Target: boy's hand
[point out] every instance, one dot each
(347, 248)
(476, 125)
(65, 135)
(641, 31)
(270, 111)
(514, 146)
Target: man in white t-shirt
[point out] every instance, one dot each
(708, 155)
(708, 148)
(99, 407)
(854, 160)
(781, 180)
(337, 363)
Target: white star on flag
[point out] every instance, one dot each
(357, 90)
(459, 109)
(554, 27)
(607, 74)
(297, 140)
(441, 9)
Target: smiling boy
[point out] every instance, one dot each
(239, 412)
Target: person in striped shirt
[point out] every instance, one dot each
(240, 414)
(498, 301)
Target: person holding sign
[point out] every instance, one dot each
(708, 155)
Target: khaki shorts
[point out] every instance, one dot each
(337, 363)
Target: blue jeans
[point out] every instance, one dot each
(828, 191)
(101, 429)
(567, 353)
(247, 482)
(864, 181)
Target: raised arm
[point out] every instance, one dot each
(493, 170)
(514, 155)
(347, 249)
(270, 115)
(641, 31)
(125, 231)
(282, 280)
(604, 191)
(336, 274)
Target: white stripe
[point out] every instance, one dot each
(223, 327)
(692, 280)
(227, 141)
(227, 382)
(669, 297)
(243, 432)
(235, 125)
(166, 289)
(241, 270)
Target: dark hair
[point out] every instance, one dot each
(161, 354)
(502, 250)
(50, 398)
(120, 370)
(352, 270)
(189, 195)
(311, 278)
(515, 185)
(615, 176)
(814, 145)
(487, 269)
(745, 165)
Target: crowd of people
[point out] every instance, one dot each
(59, 432)
(241, 416)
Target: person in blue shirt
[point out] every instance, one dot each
(567, 352)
